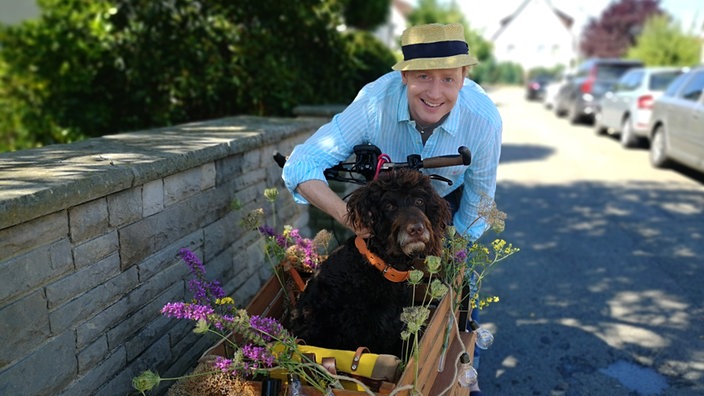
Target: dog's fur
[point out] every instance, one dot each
(348, 303)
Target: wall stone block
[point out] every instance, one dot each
(82, 281)
(24, 325)
(88, 220)
(125, 207)
(152, 197)
(25, 273)
(24, 237)
(95, 249)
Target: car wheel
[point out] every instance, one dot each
(658, 148)
(599, 129)
(558, 110)
(628, 139)
(573, 115)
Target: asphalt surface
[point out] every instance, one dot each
(605, 297)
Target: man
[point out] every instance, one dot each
(427, 107)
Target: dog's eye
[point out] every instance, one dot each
(389, 207)
(420, 202)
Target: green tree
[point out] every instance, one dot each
(662, 42)
(366, 14)
(617, 27)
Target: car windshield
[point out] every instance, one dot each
(660, 81)
(612, 72)
(676, 84)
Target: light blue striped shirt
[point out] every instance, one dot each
(379, 115)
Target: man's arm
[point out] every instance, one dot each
(321, 196)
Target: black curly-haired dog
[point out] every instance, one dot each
(352, 301)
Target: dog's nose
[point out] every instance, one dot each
(415, 229)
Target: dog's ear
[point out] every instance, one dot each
(362, 207)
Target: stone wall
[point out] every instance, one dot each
(89, 235)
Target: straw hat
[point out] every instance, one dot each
(434, 46)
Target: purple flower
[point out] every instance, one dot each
(222, 364)
(268, 328)
(461, 256)
(182, 310)
(295, 234)
(223, 322)
(194, 263)
(204, 292)
(258, 355)
(216, 290)
(198, 290)
(281, 240)
(267, 230)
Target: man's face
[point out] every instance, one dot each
(432, 93)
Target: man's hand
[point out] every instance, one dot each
(319, 194)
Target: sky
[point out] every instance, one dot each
(485, 16)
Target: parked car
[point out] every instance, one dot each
(535, 88)
(677, 122)
(553, 88)
(625, 109)
(592, 79)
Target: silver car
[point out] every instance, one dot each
(625, 109)
(677, 122)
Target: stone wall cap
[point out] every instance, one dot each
(40, 181)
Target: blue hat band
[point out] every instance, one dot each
(440, 49)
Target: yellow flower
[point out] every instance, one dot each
(224, 301)
(437, 289)
(201, 327)
(146, 381)
(415, 277)
(433, 264)
(271, 194)
(253, 219)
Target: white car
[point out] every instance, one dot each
(677, 123)
(552, 89)
(625, 109)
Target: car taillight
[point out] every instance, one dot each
(534, 85)
(588, 84)
(645, 102)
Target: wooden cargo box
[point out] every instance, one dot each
(270, 299)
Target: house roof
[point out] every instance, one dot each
(565, 19)
(403, 7)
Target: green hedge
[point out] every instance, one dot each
(90, 68)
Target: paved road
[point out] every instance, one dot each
(605, 297)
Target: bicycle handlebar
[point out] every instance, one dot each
(366, 164)
(463, 158)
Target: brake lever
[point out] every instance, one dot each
(442, 179)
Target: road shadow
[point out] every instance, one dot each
(608, 273)
(524, 152)
(686, 171)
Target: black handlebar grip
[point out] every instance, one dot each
(466, 155)
(464, 158)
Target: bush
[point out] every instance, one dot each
(93, 68)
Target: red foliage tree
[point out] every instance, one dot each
(617, 28)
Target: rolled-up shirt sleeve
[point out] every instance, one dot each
(329, 145)
(480, 177)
